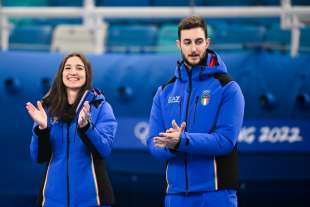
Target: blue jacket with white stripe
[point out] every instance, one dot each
(76, 173)
(212, 105)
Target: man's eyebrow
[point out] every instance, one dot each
(188, 39)
(199, 38)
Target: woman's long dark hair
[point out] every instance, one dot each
(56, 98)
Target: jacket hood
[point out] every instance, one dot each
(213, 64)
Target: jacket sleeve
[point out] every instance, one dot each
(40, 146)
(156, 126)
(99, 136)
(223, 138)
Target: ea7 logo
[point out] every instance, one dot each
(174, 99)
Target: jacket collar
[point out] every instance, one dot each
(213, 64)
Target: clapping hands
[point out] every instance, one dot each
(171, 137)
(38, 114)
(84, 115)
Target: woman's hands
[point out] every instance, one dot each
(84, 115)
(37, 114)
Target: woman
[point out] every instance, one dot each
(73, 132)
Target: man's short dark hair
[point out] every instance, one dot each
(190, 23)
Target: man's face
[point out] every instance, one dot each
(193, 45)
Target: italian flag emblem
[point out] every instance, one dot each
(205, 98)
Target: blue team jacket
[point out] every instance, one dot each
(76, 174)
(212, 105)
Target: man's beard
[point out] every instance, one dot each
(201, 61)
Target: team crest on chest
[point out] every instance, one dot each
(205, 97)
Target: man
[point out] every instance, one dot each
(194, 124)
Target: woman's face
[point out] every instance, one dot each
(74, 73)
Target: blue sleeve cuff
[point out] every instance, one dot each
(184, 142)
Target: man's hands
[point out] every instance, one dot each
(171, 137)
(37, 114)
(84, 115)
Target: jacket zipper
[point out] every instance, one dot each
(186, 118)
(68, 148)
(196, 102)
